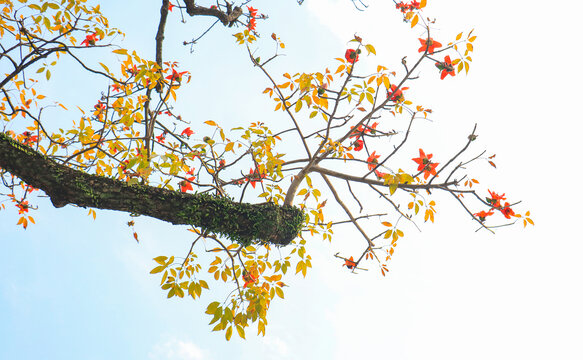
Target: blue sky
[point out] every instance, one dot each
(75, 288)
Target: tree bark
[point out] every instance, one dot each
(240, 222)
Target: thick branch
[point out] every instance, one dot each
(228, 18)
(240, 222)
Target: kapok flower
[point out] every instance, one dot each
(483, 214)
(187, 132)
(90, 40)
(507, 211)
(379, 174)
(251, 24)
(425, 164)
(349, 263)
(170, 6)
(372, 160)
(22, 207)
(252, 11)
(428, 45)
(358, 145)
(176, 76)
(254, 177)
(396, 96)
(446, 67)
(351, 55)
(186, 185)
(495, 199)
(248, 278)
(161, 137)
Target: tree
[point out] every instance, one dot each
(132, 152)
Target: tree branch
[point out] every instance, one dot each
(243, 223)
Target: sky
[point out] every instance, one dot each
(76, 288)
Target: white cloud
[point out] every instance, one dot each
(178, 350)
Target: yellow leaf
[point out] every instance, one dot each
(211, 123)
(415, 21)
(298, 106)
(459, 36)
(423, 4)
(279, 292)
(370, 49)
(241, 331)
(229, 333)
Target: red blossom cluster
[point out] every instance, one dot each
(254, 177)
(495, 202)
(28, 138)
(408, 7)
(252, 16)
(359, 143)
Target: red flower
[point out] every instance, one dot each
(428, 45)
(349, 263)
(359, 131)
(372, 160)
(425, 164)
(116, 87)
(379, 174)
(415, 5)
(482, 215)
(358, 145)
(186, 185)
(404, 7)
(176, 75)
(161, 137)
(351, 55)
(170, 6)
(187, 132)
(252, 11)
(252, 24)
(213, 7)
(398, 95)
(90, 40)
(222, 163)
(495, 199)
(22, 207)
(254, 177)
(248, 278)
(446, 67)
(507, 211)
(29, 139)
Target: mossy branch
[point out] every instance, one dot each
(240, 222)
